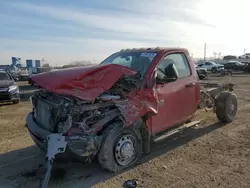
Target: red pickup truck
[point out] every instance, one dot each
(117, 109)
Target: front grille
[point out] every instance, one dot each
(43, 115)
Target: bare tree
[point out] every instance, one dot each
(46, 65)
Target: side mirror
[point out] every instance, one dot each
(171, 72)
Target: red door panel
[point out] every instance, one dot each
(177, 102)
(168, 97)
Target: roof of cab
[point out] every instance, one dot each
(148, 49)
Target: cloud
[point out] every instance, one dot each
(87, 32)
(148, 20)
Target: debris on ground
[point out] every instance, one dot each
(130, 184)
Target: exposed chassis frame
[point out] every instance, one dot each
(210, 91)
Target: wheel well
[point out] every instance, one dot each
(140, 125)
(145, 131)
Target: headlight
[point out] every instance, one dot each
(11, 88)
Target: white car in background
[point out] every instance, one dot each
(201, 71)
(200, 68)
(245, 56)
(211, 66)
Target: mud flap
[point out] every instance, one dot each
(56, 144)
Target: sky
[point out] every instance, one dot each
(61, 31)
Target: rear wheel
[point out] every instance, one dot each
(121, 147)
(226, 107)
(214, 70)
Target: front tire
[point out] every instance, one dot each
(16, 101)
(226, 107)
(121, 147)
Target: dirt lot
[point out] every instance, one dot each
(210, 155)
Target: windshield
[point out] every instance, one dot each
(140, 61)
(4, 76)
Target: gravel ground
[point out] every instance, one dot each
(210, 155)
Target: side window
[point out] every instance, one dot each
(180, 62)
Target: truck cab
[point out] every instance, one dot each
(173, 90)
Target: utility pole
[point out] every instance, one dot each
(205, 51)
(245, 50)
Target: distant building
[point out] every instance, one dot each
(15, 61)
(30, 63)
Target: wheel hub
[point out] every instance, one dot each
(124, 151)
(127, 150)
(231, 106)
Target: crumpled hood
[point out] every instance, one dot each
(86, 83)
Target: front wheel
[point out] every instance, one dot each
(16, 101)
(226, 107)
(121, 147)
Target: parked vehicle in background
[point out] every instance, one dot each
(202, 72)
(234, 65)
(229, 57)
(14, 75)
(246, 67)
(245, 56)
(211, 66)
(9, 90)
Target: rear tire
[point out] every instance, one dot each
(112, 153)
(226, 107)
(214, 70)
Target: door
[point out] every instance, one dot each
(177, 98)
(208, 65)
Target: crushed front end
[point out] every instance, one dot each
(71, 115)
(59, 124)
(79, 121)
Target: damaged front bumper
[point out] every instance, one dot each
(84, 146)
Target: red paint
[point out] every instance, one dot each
(180, 102)
(139, 104)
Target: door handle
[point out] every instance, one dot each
(190, 84)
